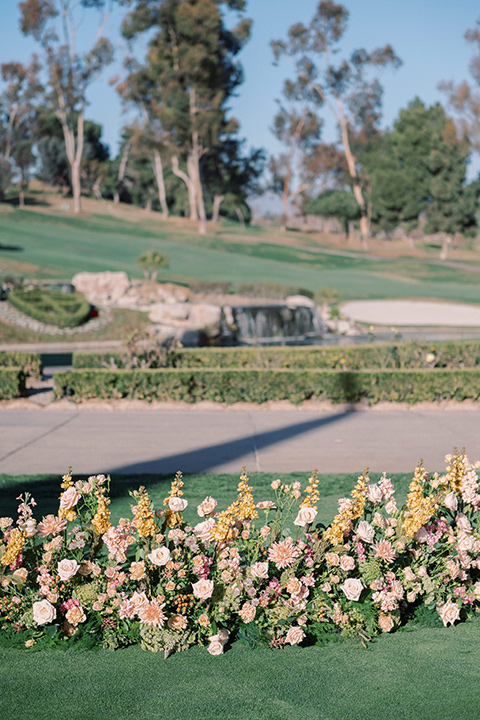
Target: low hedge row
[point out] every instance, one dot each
(51, 306)
(448, 355)
(12, 383)
(258, 386)
(30, 363)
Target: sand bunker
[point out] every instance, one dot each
(412, 313)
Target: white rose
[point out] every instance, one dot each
(451, 501)
(67, 568)
(259, 569)
(43, 612)
(391, 506)
(223, 635)
(374, 493)
(421, 535)
(160, 556)
(449, 613)
(177, 504)
(365, 531)
(207, 506)
(306, 515)
(215, 648)
(352, 587)
(203, 589)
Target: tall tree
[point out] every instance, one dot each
(189, 74)
(297, 126)
(464, 97)
(54, 25)
(18, 112)
(348, 86)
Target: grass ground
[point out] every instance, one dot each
(427, 673)
(46, 243)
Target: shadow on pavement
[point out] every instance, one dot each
(208, 458)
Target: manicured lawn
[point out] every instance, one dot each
(429, 673)
(57, 246)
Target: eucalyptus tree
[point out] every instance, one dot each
(18, 114)
(189, 74)
(54, 25)
(348, 86)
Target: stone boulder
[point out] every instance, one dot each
(104, 288)
(294, 301)
(141, 295)
(188, 317)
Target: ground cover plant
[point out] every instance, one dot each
(52, 307)
(437, 665)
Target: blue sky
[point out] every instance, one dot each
(426, 34)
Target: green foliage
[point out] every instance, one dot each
(271, 291)
(51, 306)
(30, 363)
(208, 287)
(259, 386)
(151, 262)
(409, 355)
(12, 383)
(335, 203)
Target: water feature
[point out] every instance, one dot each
(271, 325)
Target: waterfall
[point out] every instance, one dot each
(271, 325)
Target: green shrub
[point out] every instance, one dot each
(12, 383)
(410, 355)
(271, 291)
(51, 306)
(206, 287)
(30, 363)
(258, 386)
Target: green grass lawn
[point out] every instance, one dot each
(426, 674)
(52, 246)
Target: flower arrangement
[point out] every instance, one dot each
(261, 572)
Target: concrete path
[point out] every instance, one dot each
(164, 441)
(426, 313)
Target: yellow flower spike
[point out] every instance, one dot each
(341, 522)
(14, 547)
(312, 496)
(143, 515)
(419, 508)
(101, 519)
(456, 471)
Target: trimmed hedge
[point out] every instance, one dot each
(410, 355)
(12, 383)
(259, 386)
(30, 363)
(51, 306)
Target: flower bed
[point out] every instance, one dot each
(261, 572)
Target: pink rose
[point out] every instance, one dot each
(451, 501)
(67, 568)
(352, 587)
(347, 562)
(386, 623)
(463, 523)
(449, 613)
(160, 556)
(295, 635)
(43, 612)
(204, 530)
(177, 504)
(374, 493)
(306, 515)
(203, 589)
(365, 531)
(259, 570)
(207, 506)
(69, 498)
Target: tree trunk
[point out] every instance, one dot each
(76, 188)
(148, 205)
(122, 169)
(158, 172)
(192, 202)
(217, 201)
(239, 214)
(352, 170)
(193, 166)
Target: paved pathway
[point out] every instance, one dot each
(47, 440)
